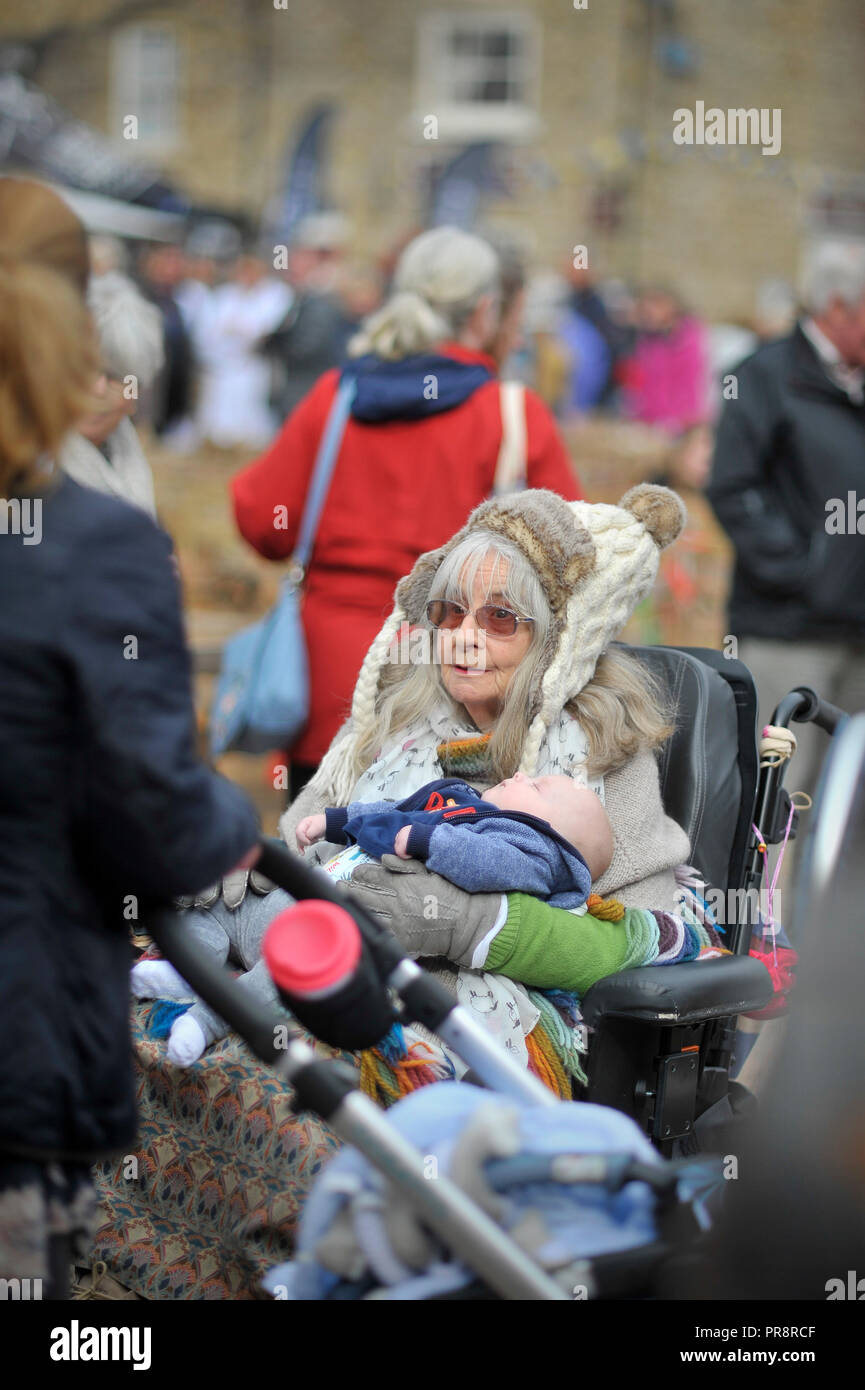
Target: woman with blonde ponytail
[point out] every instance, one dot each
(103, 802)
(419, 452)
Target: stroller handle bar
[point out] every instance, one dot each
(259, 1025)
(330, 1090)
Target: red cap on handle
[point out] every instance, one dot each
(311, 947)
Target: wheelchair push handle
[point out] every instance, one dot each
(773, 804)
(820, 712)
(804, 706)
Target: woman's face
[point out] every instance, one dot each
(109, 405)
(657, 312)
(477, 668)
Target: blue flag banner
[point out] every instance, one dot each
(456, 194)
(303, 189)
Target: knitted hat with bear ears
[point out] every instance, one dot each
(595, 563)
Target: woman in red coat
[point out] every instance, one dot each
(419, 452)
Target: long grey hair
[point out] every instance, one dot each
(620, 710)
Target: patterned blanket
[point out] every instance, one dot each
(211, 1195)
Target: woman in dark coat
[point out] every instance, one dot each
(103, 802)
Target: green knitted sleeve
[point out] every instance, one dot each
(549, 948)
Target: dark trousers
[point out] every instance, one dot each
(60, 1257)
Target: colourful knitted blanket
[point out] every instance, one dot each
(557, 1044)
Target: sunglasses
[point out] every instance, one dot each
(492, 618)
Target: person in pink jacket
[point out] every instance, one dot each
(666, 378)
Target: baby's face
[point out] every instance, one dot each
(572, 810)
(548, 798)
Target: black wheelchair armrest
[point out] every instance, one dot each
(691, 992)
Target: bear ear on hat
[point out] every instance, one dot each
(661, 511)
(413, 588)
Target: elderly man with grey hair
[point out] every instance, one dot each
(104, 452)
(788, 485)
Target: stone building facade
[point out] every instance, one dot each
(577, 96)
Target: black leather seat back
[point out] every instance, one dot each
(709, 766)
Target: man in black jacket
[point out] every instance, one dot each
(788, 477)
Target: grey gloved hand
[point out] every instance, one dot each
(232, 889)
(427, 915)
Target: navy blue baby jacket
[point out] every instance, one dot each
(469, 841)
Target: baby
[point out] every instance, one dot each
(547, 836)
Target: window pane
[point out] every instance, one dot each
(495, 90)
(145, 79)
(495, 68)
(484, 65)
(499, 43)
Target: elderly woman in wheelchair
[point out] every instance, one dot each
(498, 658)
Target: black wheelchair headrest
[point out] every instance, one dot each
(709, 766)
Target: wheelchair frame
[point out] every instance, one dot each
(663, 1047)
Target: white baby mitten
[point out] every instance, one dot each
(186, 1041)
(158, 979)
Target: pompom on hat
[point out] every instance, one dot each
(595, 562)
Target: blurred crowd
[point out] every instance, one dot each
(214, 343)
(248, 331)
(243, 341)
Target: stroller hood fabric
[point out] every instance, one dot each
(570, 1221)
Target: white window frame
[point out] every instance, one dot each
(132, 87)
(474, 120)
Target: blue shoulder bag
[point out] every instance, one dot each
(262, 696)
